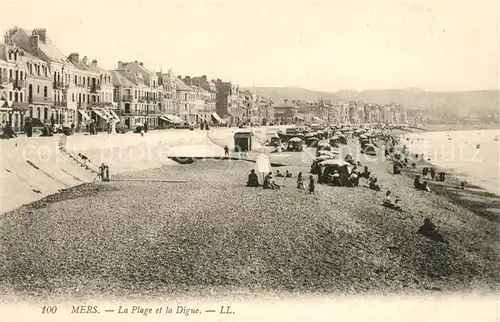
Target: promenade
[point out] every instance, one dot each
(32, 168)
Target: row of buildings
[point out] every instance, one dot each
(353, 112)
(38, 81)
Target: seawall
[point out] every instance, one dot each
(32, 168)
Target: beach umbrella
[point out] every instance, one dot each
(328, 153)
(325, 157)
(295, 139)
(262, 164)
(337, 162)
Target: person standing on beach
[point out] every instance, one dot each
(311, 184)
(300, 182)
(226, 151)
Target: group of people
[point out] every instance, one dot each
(270, 183)
(7, 131)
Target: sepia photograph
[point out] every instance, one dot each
(249, 160)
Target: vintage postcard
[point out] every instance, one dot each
(249, 160)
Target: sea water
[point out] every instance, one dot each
(472, 155)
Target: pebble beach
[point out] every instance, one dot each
(212, 235)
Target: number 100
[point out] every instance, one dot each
(49, 309)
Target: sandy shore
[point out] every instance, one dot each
(454, 127)
(211, 235)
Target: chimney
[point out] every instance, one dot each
(286, 101)
(204, 77)
(94, 63)
(120, 65)
(74, 58)
(6, 38)
(85, 60)
(179, 77)
(33, 43)
(141, 63)
(41, 32)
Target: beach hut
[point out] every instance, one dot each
(243, 141)
(369, 149)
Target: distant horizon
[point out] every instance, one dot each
(381, 89)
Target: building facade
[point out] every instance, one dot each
(13, 100)
(38, 44)
(185, 100)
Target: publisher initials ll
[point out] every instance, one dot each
(225, 310)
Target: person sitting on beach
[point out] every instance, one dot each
(268, 181)
(336, 179)
(279, 174)
(300, 182)
(425, 171)
(417, 183)
(288, 174)
(389, 203)
(253, 179)
(366, 173)
(354, 179)
(462, 184)
(425, 187)
(373, 184)
(428, 229)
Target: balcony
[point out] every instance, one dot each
(4, 80)
(20, 106)
(40, 100)
(61, 104)
(19, 83)
(133, 113)
(126, 98)
(94, 88)
(58, 85)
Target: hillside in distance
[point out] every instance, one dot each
(474, 102)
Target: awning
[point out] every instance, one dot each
(299, 118)
(100, 113)
(216, 117)
(201, 116)
(113, 113)
(84, 114)
(107, 114)
(172, 118)
(6, 103)
(317, 119)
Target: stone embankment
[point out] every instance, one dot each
(32, 168)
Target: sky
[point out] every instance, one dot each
(325, 45)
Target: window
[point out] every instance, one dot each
(10, 96)
(45, 91)
(73, 97)
(10, 73)
(38, 89)
(21, 75)
(83, 98)
(10, 55)
(16, 97)
(21, 97)
(76, 79)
